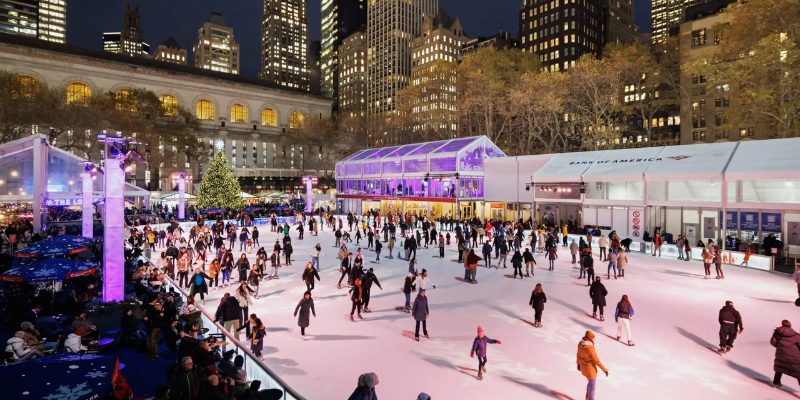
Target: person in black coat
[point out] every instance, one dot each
(598, 294)
(538, 298)
(730, 324)
(420, 312)
(516, 262)
(366, 284)
(308, 276)
(305, 305)
(588, 267)
(243, 265)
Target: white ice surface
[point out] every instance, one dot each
(675, 329)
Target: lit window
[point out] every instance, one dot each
(269, 117)
(124, 101)
(169, 104)
(79, 93)
(204, 109)
(26, 86)
(296, 120)
(238, 113)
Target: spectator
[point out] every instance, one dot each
(366, 387)
(184, 385)
(16, 345)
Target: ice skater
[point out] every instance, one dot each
(305, 304)
(730, 324)
(612, 264)
(309, 273)
(366, 285)
(420, 313)
(598, 294)
(530, 263)
(587, 265)
(718, 264)
(479, 349)
(344, 269)
(552, 255)
(538, 298)
(622, 261)
(407, 285)
(787, 352)
(708, 258)
(622, 316)
(588, 362)
(356, 295)
(378, 247)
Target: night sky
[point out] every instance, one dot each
(160, 19)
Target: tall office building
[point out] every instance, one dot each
(340, 18)
(434, 63)
(559, 32)
(314, 67)
(666, 15)
(391, 26)
(502, 40)
(131, 40)
(171, 52)
(284, 41)
(352, 79)
(216, 48)
(43, 19)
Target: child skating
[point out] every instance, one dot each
(479, 349)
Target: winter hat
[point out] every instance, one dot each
(786, 323)
(421, 290)
(241, 376)
(480, 329)
(26, 325)
(424, 396)
(369, 379)
(589, 335)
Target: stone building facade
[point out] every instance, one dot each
(252, 122)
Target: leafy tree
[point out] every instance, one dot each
(219, 187)
(593, 101)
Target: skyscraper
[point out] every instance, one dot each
(559, 32)
(131, 40)
(391, 26)
(43, 19)
(216, 48)
(171, 52)
(340, 18)
(352, 79)
(666, 15)
(434, 62)
(284, 41)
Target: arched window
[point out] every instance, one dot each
(78, 93)
(269, 117)
(124, 101)
(238, 113)
(296, 120)
(169, 104)
(204, 109)
(26, 86)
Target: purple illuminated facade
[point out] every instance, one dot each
(415, 175)
(113, 225)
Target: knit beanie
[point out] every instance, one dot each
(589, 335)
(424, 396)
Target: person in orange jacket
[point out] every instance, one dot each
(588, 362)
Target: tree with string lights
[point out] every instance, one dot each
(219, 187)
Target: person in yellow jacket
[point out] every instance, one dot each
(588, 362)
(564, 233)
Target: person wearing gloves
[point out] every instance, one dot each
(479, 349)
(588, 362)
(366, 387)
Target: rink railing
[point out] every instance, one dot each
(255, 368)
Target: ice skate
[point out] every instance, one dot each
(483, 369)
(631, 343)
(426, 336)
(360, 317)
(601, 318)
(416, 338)
(480, 376)
(352, 319)
(594, 315)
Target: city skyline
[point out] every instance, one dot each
(160, 21)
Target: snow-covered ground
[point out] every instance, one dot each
(675, 331)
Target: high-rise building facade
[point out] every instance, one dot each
(502, 40)
(314, 67)
(391, 26)
(352, 71)
(171, 52)
(284, 44)
(666, 15)
(340, 18)
(559, 32)
(434, 63)
(216, 48)
(131, 40)
(43, 19)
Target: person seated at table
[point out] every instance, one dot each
(19, 350)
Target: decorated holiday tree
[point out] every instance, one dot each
(219, 187)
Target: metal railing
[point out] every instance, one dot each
(255, 368)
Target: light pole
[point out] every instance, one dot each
(87, 203)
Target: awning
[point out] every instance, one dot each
(566, 167)
(764, 160)
(622, 165)
(173, 196)
(694, 162)
(246, 195)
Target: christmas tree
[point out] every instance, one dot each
(219, 187)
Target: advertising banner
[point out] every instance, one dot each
(708, 227)
(748, 221)
(793, 233)
(771, 222)
(731, 219)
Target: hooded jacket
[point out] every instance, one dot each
(587, 359)
(787, 351)
(16, 345)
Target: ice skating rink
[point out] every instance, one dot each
(675, 329)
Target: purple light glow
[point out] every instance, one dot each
(181, 196)
(87, 206)
(113, 225)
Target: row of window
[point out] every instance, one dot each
(80, 93)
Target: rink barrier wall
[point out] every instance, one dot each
(729, 257)
(255, 368)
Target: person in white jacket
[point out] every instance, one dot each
(603, 244)
(21, 351)
(73, 344)
(426, 283)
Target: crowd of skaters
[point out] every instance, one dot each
(412, 233)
